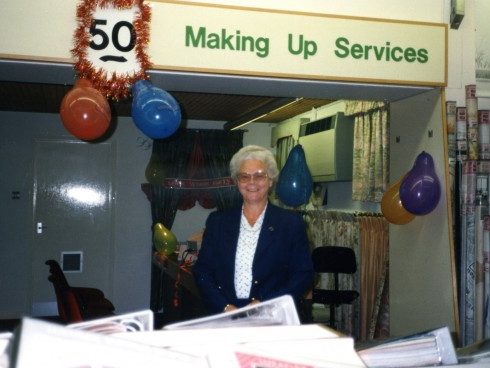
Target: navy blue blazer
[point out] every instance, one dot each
(282, 262)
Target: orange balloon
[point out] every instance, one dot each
(392, 208)
(85, 112)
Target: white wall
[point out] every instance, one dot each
(461, 57)
(421, 283)
(421, 10)
(482, 45)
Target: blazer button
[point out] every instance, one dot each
(256, 282)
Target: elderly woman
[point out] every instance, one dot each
(257, 251)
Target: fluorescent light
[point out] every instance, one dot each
(264, 111)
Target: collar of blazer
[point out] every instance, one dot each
(268, 231)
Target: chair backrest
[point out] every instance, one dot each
(68, 308)
(334, 259)
(57, 276)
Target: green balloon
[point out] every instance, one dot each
(164, 240)
(154, 171)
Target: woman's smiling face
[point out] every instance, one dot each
(253, 181)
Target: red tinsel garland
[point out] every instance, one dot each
(114, 87)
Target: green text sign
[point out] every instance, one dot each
(230, 40)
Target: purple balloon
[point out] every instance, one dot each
(420, 190)
(295, 184)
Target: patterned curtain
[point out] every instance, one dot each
(283, 147)
(371, 149)
(205, 153)
(194, 154)
(218, 148)
(339, 229)
(174, 153)
(374, 241)
(367, 234)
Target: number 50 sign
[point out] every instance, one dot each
(110, 44)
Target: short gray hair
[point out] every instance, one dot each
(252, 152)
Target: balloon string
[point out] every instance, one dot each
(176, 300)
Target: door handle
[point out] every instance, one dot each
(40, 227)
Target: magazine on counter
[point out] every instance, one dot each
(277, 311)
(428, 348)
(267, 334)
(129, 322)
(271, 346)
(38, 343)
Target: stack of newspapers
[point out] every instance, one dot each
(428, 348)
(265, 335)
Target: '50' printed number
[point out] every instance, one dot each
(101, 41)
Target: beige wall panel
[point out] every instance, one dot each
(421, 283)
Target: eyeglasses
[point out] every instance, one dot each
(258, 177)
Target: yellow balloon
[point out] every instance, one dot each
(392, 208)
(164, 240)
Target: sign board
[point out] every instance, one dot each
(210, 38)
(257, 42)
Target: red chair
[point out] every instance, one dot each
(76, 304)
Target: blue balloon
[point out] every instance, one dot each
(155, 112)
(420, 189)
(295, 184)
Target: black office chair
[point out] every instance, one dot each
(334, 260)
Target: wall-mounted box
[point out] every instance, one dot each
(328, 145)
(72, 261)
(457, 13)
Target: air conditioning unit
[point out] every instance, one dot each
(328, 144)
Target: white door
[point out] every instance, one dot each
(72, 213)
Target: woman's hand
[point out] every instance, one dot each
(229, 308)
